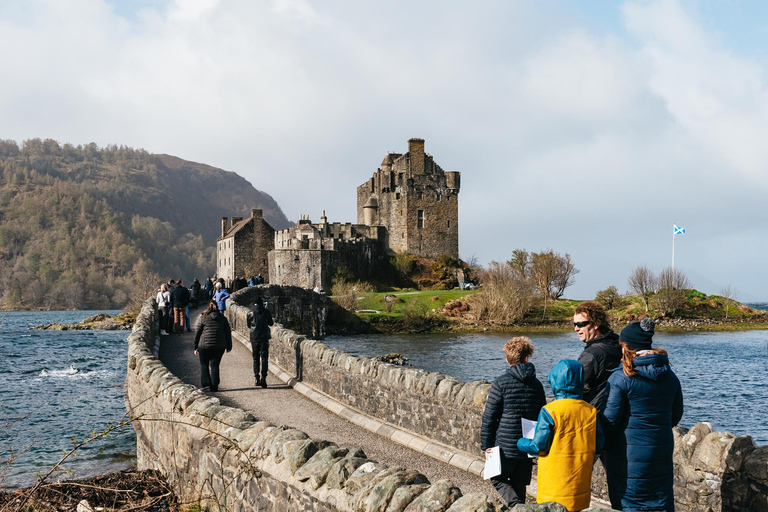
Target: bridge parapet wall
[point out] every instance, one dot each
(714, 471)
(223, 458)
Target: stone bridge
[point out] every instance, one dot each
(236, 450)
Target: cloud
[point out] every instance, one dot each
(588, 140)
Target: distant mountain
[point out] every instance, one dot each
(90, 227)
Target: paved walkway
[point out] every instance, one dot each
(281, 405)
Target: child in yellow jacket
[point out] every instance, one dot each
(567, 437)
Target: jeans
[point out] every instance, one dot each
(260, 349)
(210, 358)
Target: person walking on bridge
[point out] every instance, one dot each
(179, 301)
(259, 319)
(221, 297)
(212, 338)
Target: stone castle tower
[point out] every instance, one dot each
(415, 200)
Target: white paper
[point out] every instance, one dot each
(529, 427)
(492, 463)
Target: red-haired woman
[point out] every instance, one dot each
(643, 402)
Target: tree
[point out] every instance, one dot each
(643, 283)
(549, 272)
(669, 284)
(609, 298)
(729, 295)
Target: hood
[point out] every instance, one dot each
(567, 379)
(215, 314)
(522, 372)
(653, 367)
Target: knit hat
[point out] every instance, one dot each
(638, 335)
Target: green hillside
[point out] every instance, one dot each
(86, 227)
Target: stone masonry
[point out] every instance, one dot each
(243, 248)
(410, 204)
(415, 200)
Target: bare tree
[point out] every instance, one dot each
(729, 295)
(520, 261)
(564, 276)
(642, 281)
(670, 284)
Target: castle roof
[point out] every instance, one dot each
(234, 228)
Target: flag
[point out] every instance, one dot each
(679, 230)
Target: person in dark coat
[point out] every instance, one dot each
(515, 394)
(213, 337)
(194, 293)
(179, 301)
(259, 319)
(643, 402)
(208, 289)
(602, 352)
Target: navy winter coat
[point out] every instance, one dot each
(640, 412)
(515, 394)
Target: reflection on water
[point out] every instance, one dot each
(724, 375)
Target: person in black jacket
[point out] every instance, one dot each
(194, 293)
(601, 354)
(212, 338)
(179, 302)
(259, 319)
(515, 394)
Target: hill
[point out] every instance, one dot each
(83, 227)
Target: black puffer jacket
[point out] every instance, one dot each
(515, 394)
(600, 356)
(213, 331)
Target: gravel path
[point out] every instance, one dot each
(281, 405)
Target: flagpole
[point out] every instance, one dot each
(673, 248)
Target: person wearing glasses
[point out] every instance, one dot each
(602, 352)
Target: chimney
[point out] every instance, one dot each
(224, 222)
(235, 220)
(416, 151)
(256, 213)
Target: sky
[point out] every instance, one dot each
(589, 128)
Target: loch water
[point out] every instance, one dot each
(56, 386)
(724, 375)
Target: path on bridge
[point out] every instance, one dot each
(281, 405)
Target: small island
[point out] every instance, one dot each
(101, 322)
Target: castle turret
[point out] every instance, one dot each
(371, 210)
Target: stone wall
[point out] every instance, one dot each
(431, 404)
(714, 471)
(223, 458)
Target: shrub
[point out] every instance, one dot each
(346, 294)
(610, 298)
(506, 296)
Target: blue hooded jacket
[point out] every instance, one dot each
(639, 414)
(567, 381)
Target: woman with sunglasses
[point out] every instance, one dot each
(643, 402)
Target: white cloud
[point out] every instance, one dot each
(588, 142)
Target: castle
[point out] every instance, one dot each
(410, 204)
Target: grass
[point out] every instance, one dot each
(407, 297)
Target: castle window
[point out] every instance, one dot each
(397, 195)
(438, 196)
(420, 219)
(449, 224)
(419, 195)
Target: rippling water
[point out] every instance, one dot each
(59, 385)
(723, 375)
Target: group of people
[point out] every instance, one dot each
(173, 302)
(240, 282)
(618, 401)
(213, 337)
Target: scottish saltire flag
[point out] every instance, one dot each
(679, 230)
